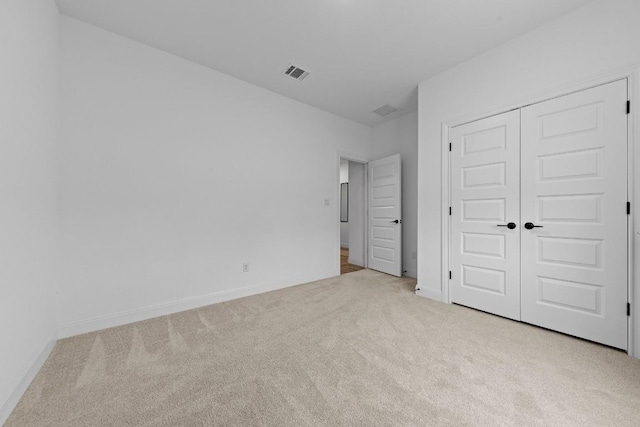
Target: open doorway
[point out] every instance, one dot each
(352, 215)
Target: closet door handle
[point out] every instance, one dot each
(510, 226)
(530, 226)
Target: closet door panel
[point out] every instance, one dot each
(574, 190)
(485, 257)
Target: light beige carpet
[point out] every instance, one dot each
(360, 349)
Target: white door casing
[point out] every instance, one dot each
(574, 185)
(385, 215)
(484, 252)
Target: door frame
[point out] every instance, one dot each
(344, 155)
(632, 74)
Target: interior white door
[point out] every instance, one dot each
(485, 184)
(574, 191)
(385, 215)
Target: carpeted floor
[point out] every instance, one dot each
(358, 350)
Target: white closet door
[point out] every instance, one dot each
(574, 186)
(485, 185)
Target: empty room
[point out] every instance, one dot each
(319, 212)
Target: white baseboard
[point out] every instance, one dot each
(124, 317)
(8, 404)
(429, 293)
(356, 261)
(70, 329)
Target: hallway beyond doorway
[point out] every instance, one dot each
(345, 267)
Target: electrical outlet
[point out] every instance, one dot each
(245, 267)
(327, 202)
(413, 255)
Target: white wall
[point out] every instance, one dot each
(344, 226)
(344, 171)
(28, 132)
(172, 175)
(401, 136)
(357, 213)
(595, 39)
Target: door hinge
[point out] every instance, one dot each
(449, 210)
(628, 208)
(450, 275)
(449, 146)
(628, 309)
(628, 107)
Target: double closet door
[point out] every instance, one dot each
(539, 214)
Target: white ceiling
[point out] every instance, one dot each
(361, 53)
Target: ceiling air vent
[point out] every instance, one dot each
(295, 72)
(385, 110)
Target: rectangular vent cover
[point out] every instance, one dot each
(295, 72)
(385, 110)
